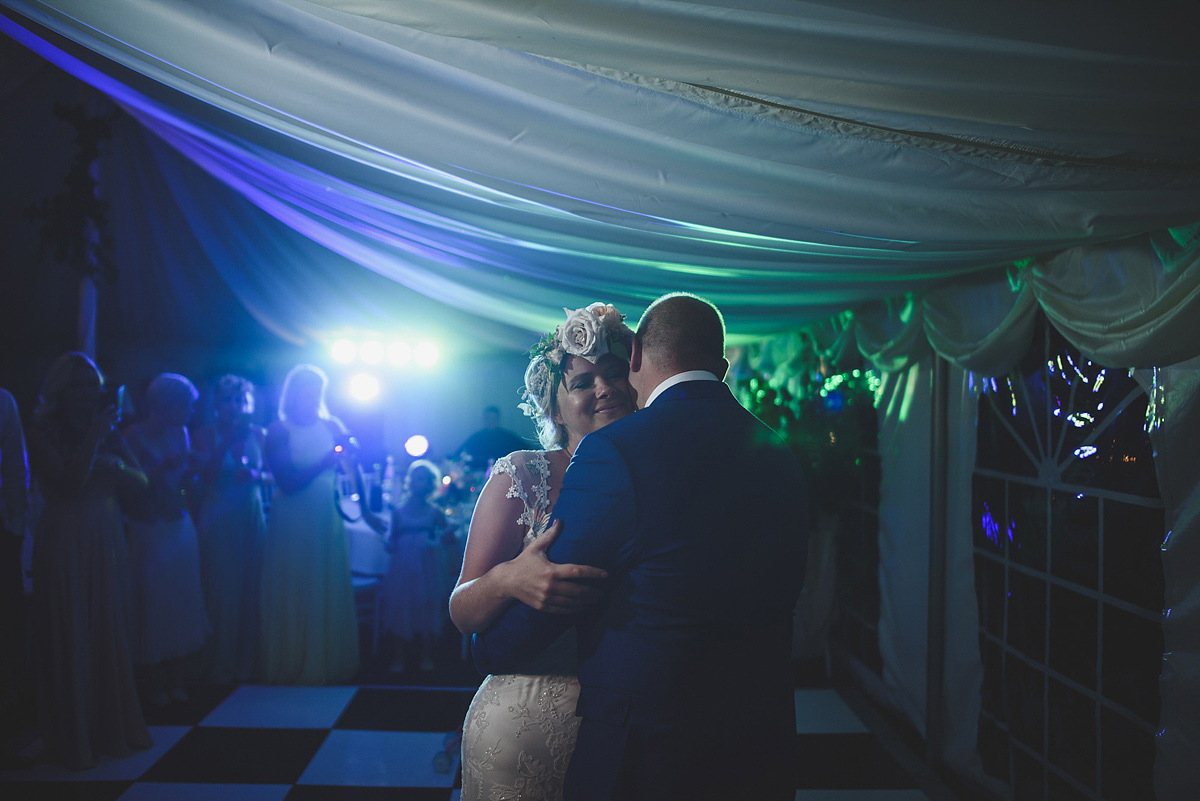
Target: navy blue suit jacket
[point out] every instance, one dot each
(699, 514)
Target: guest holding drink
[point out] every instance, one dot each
(309, 631)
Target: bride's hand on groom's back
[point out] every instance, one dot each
(549, 587)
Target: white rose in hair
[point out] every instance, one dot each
(608, 315)
(616, 333)
(583, 335)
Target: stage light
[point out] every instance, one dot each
(371, 351)
(425, 354)
(344, 351)
(399, 353)
(364, 387)
(416, 446)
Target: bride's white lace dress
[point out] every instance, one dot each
(520, 728)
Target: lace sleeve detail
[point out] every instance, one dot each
(505, 465)
(530, 474)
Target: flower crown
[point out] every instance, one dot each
(588, 333)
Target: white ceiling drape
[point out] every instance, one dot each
(788, 160)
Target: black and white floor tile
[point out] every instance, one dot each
(370, 743)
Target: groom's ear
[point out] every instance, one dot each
(635, 355)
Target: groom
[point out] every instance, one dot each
(699, 514)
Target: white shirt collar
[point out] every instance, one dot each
(679, 378)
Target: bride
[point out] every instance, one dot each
(520, 729)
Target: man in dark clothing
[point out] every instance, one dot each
(699, 513)
(490, 442)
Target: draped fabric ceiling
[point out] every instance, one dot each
(497, 160)
(860, 175)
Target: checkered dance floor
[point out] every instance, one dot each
(369, 743)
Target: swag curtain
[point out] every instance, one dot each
(1134, 303)
(178, 255)
(787, 160)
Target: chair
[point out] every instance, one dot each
(369, 561)
(366, 604)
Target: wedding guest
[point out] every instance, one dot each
(415, 590)
(87, 700)
(489, 443)
(231, 527)
(168, 601)
(16, 707)
(309, 626)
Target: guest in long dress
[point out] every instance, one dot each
(416, 589)
(165, 557)
(87, 699)
(309, 632)
(231, 526)
(17, 712)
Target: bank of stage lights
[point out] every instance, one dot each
(364, 386)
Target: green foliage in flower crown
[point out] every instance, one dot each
(547, 343)
(545, 347)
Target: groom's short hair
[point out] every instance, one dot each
(682, 331)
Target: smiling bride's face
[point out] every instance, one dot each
(591, 396)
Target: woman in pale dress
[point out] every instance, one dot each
(309, 626)
(520, 729)
(87, 698)
(232, 526)
(163, 553)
